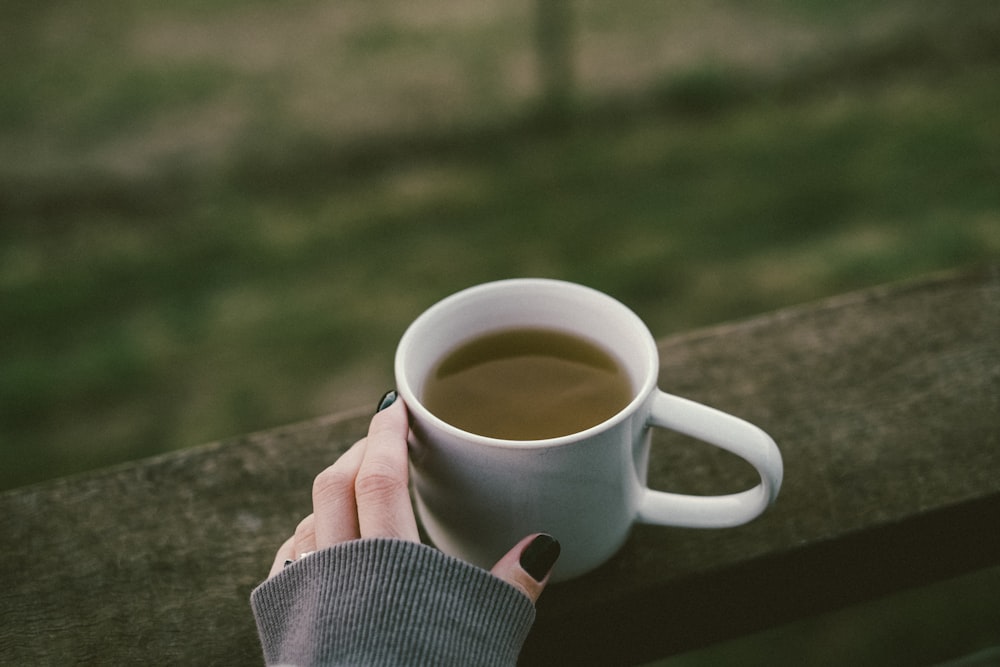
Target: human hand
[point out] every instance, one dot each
(365, 494)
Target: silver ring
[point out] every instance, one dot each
(289, 561)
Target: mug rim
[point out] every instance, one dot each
(646, 384)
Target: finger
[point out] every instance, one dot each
(305, 536)
(285, 552)
(382, 484)
(334, 506)
(527, 566)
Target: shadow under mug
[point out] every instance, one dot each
(477, 496)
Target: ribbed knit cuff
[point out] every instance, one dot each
(389, 602)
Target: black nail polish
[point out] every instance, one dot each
(387, 399)
(539, 556)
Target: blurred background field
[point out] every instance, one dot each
(218, 217)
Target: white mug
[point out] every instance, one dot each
(477, 496)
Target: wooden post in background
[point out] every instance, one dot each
(555, 57)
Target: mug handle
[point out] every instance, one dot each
(722, 430)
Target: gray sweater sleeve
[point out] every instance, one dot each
(389, 602)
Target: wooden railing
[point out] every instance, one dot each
(885, 403)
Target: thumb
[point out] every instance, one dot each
(528, 564)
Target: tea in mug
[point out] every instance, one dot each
(527, 384)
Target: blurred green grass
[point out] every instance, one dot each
(188, 253)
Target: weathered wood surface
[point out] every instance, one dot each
(885, 403)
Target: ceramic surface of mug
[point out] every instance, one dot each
(477, 494)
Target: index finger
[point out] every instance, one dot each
(382, 484)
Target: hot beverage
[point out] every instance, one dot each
(527, 384)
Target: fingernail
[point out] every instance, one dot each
(387, 399)
(538, 557)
